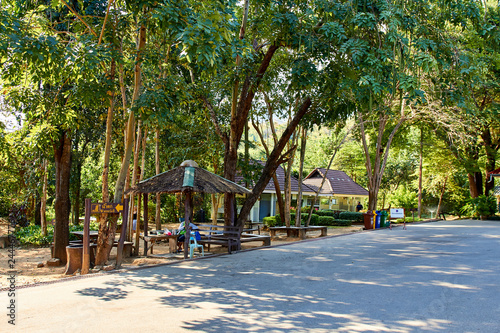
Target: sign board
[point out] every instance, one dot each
(106, 207)
(397, 213)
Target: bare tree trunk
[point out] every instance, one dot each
(62, 205)
(157, 165)
(275, 159)
(279, 197)
(475, 184)
(375, 174)
(134, 181)
(107, 230)
(109, 130)
(298, 217)
(441, 197)
(43, 207)
(288, 176)
(491, 152)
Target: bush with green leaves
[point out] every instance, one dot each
(326, 212)
(404, 198)
(483, 205)
(270, 221)
(303, 219)
(32, 234)
(352, 216)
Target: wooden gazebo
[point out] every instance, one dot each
(187, 178)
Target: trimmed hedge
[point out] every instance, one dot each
(270, 221)
(353, 216)
(304, 216)
(330, 221)
(342, 223)
(326, 212)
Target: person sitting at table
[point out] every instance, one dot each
(181, 232)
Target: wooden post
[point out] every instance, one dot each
(86, 239)
(145, 223)
(188, 218)
(123, 234)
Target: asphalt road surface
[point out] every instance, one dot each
(432, 277)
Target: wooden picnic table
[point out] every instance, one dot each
(152, 239)
(93, 234)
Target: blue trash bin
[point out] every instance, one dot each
(377, 219)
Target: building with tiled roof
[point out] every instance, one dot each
(338, 192)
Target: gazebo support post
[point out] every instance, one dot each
(188, 218)
(145, 224)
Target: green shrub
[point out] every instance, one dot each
(330, 221)
(326, 212)
(342, 223)
(326, 220)
(32, 234)
(303, 219)
(353, 216)
(270, 221)
(483, 205)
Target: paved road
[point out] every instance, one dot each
(432, 277)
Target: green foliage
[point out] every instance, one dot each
(352, 216)
(404, 198)
(326, 212)
(270, 221)
(32, 234)
(481, 206)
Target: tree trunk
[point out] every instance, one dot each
(376, 171)
(43, 207)
(76, 205)
(489, 184)
(272, 163)
(303, 141)
(157, 169)
(135, 176)
(107, 230)
(109, 129)
(475, 184)
(441, 197)
(279, 197)
(288, 182)
(62, 205)
(420, 174)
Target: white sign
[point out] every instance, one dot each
(397, 213)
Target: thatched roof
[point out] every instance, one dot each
(178, 180)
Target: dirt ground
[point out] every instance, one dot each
(27, 259)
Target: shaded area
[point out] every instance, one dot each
(422, 279)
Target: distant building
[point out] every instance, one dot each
(339, 192)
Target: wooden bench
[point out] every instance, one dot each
(246, 237)
(298, 231)
(219, 235)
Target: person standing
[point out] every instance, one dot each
(359, 207)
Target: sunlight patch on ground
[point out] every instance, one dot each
(453, 285)
(426, 325)
(459, 270)
(370, 283)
